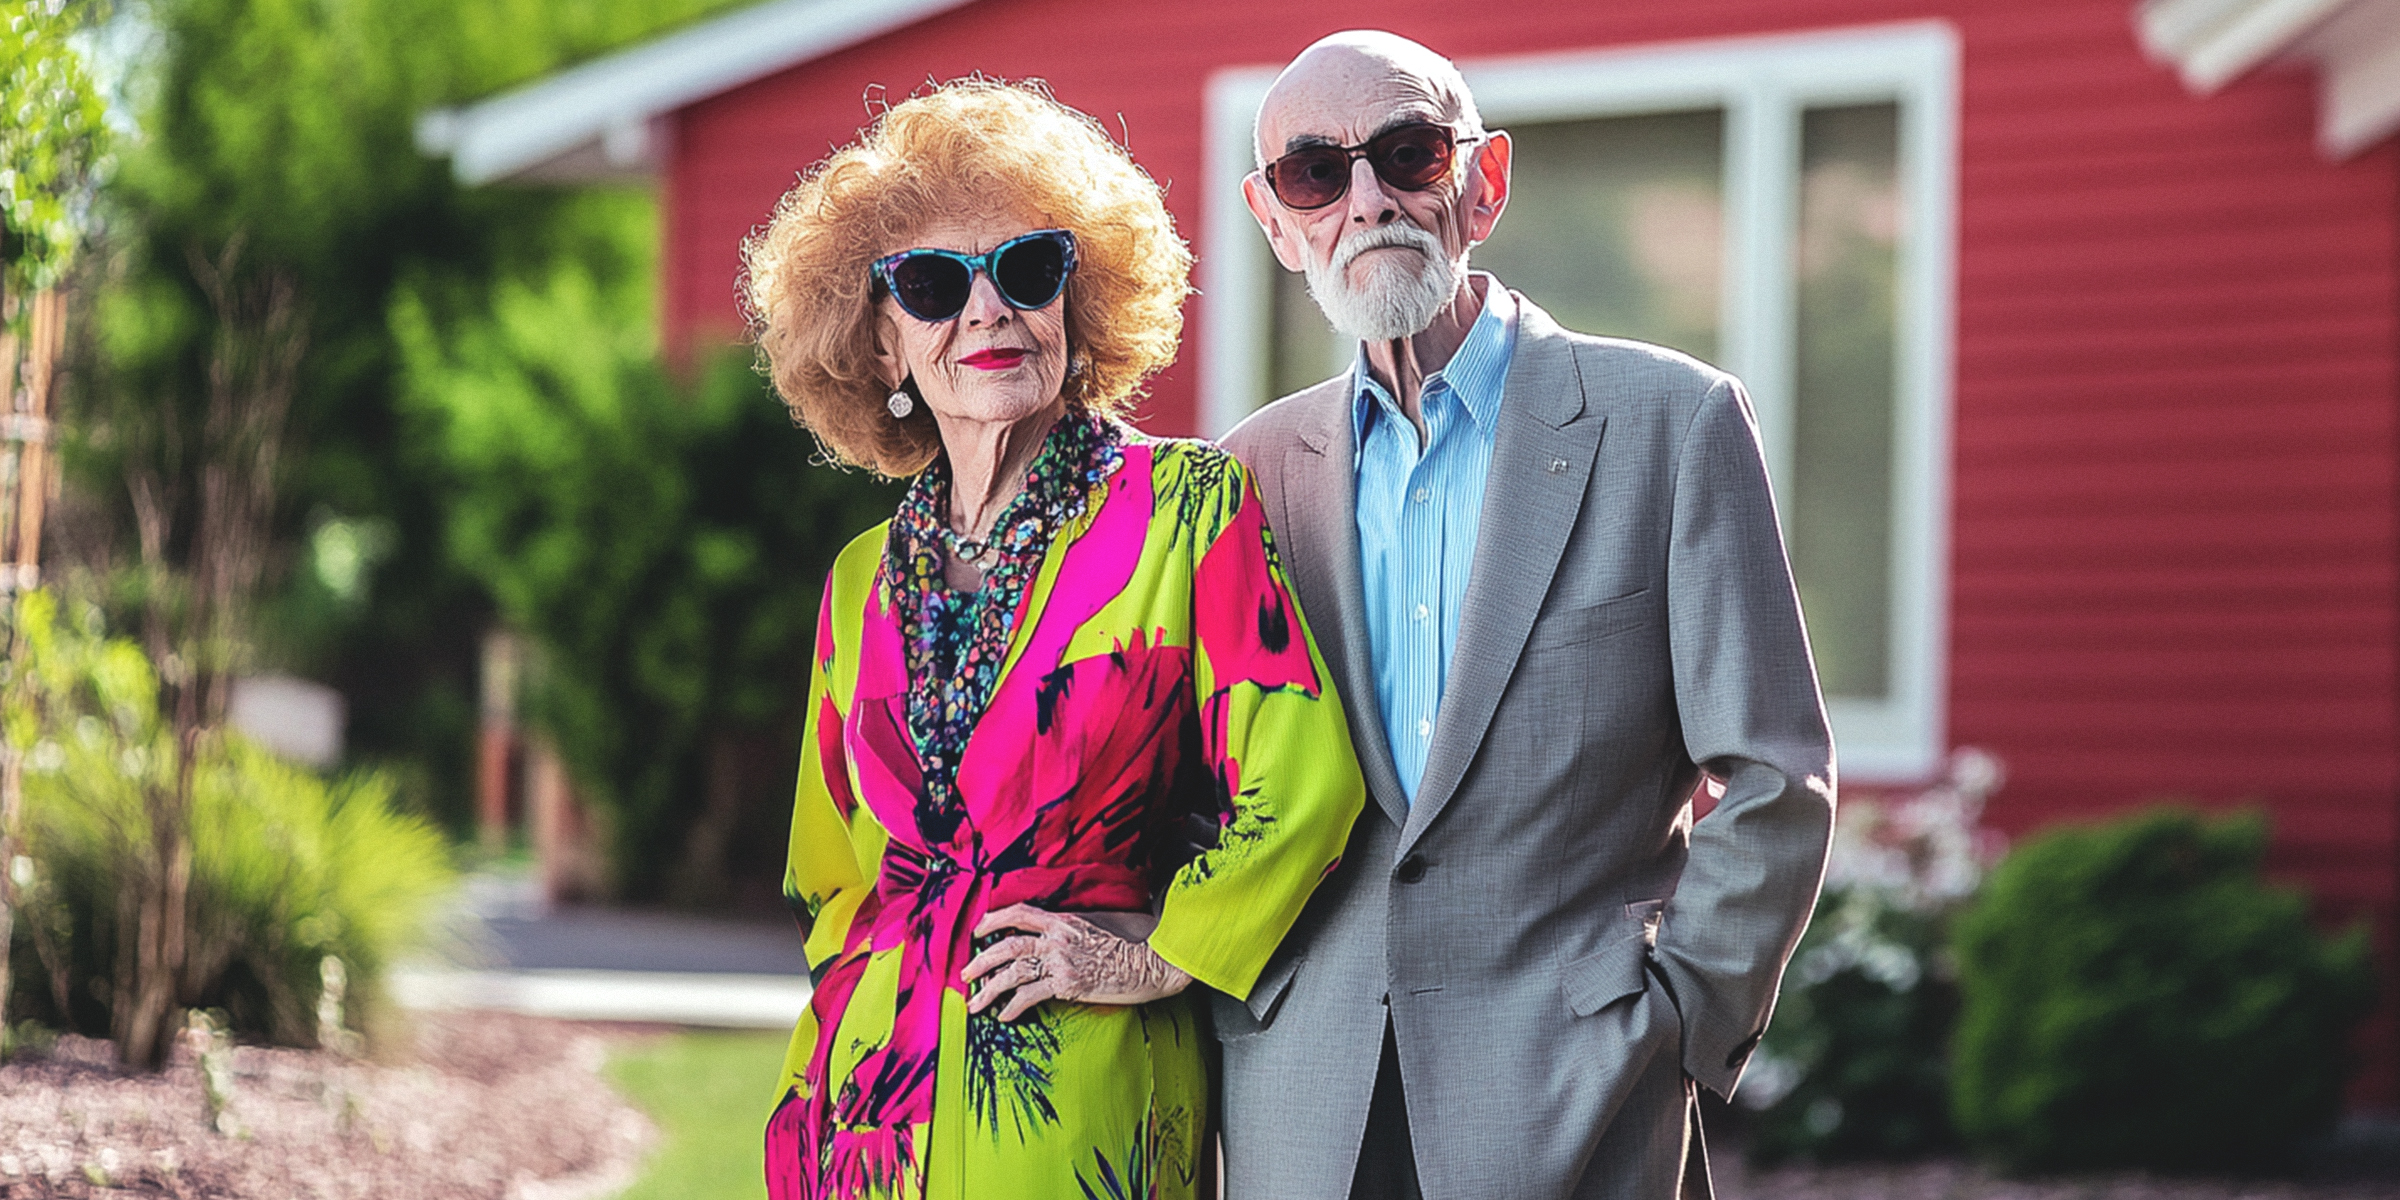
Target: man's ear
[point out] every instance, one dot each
(1263, 206)
(1491, 185)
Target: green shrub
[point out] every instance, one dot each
(2133, 995)
(287, 869)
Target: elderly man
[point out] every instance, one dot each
(1546, 572)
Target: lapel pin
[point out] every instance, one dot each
(1557, 465)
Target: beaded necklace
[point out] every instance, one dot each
(1080, 452)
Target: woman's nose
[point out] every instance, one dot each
(984, 305)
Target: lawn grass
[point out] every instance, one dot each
(708, 1093)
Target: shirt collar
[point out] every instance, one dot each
(1477, 374)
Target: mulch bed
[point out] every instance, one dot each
(483, 1105)
(513, 1108)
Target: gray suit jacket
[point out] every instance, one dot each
(1557, 944)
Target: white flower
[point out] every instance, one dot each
(1926, 850)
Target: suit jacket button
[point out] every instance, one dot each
(1412, 869)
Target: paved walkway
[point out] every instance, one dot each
(506, 952)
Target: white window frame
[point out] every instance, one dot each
(1763, 84)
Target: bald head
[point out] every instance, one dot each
(1349, 86)
(1384, 247)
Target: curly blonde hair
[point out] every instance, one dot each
(967, 146)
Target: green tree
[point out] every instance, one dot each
(669, 565)
(282, 128)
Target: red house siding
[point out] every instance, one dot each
(2174, 546)
(2173, 535)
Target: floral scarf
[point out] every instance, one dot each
(1079, 453)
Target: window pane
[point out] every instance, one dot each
(1841, 488)
(1616, 225)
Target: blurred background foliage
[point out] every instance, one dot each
(481, 430)
(53, 146)
(2136, 996)
(328, 414)
(2122, 993)
(287, 869)
(666, 540)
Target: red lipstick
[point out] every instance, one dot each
(996, 359)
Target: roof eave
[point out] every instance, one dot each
(600, 120)
(2355, 45)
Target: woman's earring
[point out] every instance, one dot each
(901, 403)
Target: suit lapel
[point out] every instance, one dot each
(1542, 458)
(1320, 492)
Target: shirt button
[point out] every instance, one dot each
(1424, 727)
(1423, 494)
(1423, 612)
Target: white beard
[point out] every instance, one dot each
(1392, 304)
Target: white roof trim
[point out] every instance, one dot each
(2359, 87)
(2354, 43)
(595, 120)
(2212, 42)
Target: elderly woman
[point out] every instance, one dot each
(1070, 642)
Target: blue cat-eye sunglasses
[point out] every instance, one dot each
(933, 285)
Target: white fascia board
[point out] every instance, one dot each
(2355, 45)
(612, 101)
(2170, 28)
(2213, 42)
(2358, 55)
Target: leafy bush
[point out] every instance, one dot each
(286, 869)
(2135, 996)
(1854, 1064)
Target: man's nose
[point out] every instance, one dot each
(1370, 205)
(984, 305)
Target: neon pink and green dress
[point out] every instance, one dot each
(1134, 658)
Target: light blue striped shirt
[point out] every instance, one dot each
(1417, 512)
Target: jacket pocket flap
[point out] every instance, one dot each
(1568, 626)
(1267, 993)
(1605, 976)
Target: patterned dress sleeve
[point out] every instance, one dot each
(1274, 741)
(822, 878)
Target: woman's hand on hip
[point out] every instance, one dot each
(1061, 956)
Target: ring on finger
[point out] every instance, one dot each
(1034, 967)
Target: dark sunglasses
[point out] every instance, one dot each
(933, 285)
(1409, 157)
